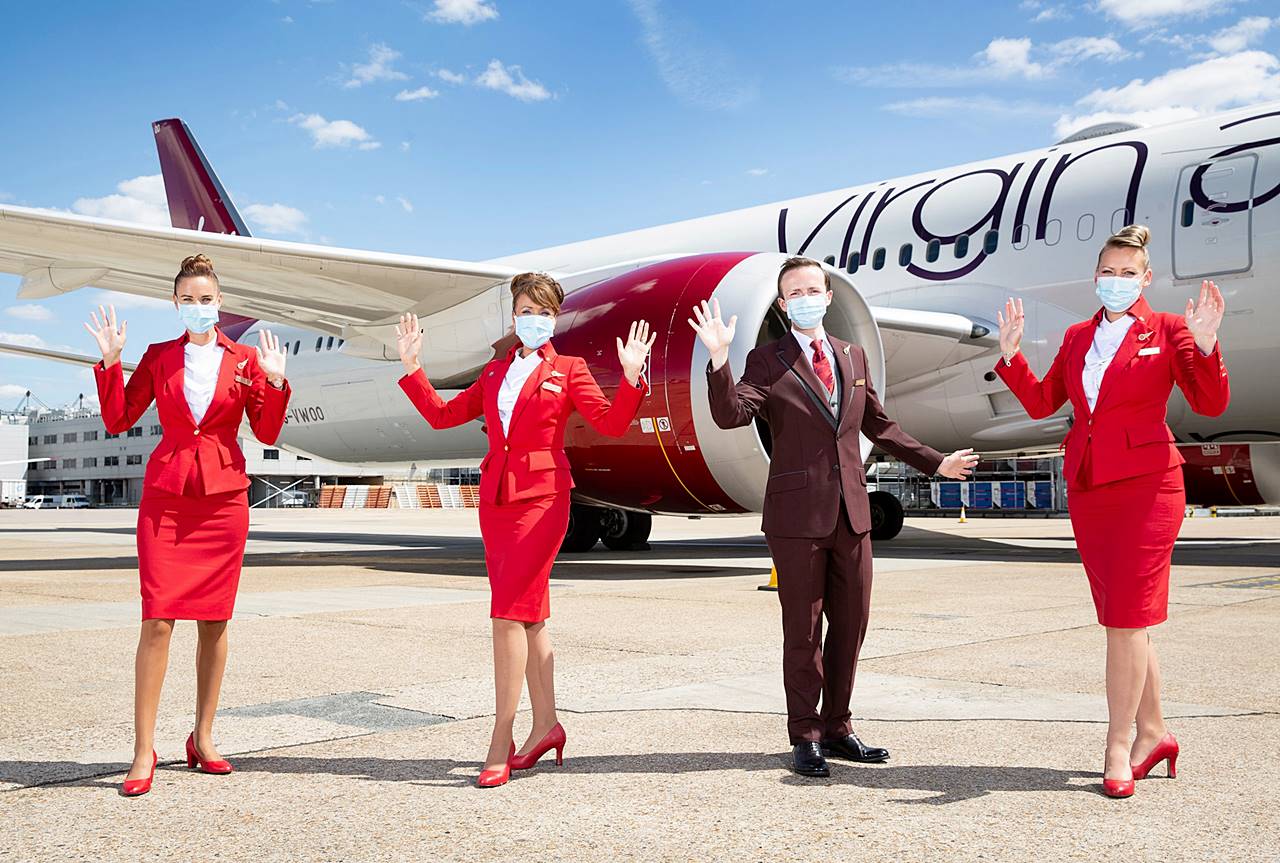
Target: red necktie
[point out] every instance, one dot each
(822, 366)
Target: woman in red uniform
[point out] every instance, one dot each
(526, 398)
(194, 516)
(1123, 472)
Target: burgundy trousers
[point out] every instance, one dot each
(828, 575)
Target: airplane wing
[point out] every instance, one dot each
(358, 295)
(59, 356)
(920, 344)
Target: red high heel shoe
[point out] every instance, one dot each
(1166, 750)
(1117, 787)
(138, 787)
(194, 759)
(554, 739)
(499, 776)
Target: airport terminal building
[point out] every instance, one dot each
(70, 452)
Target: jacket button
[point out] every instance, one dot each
(506, 448)
(197, 431)
(835, 468)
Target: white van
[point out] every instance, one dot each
(38, 501)
(74, 501)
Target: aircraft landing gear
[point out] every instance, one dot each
(886, 515)
(621, 530)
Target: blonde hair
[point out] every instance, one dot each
(1130, 237)
(195, 265)
(538, 287)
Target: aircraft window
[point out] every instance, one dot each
(829, 260)
(854, 260)
(319, 342)
(904, 255)
(1119, 219)
(877, 259)
(296, 346)
(932, 250)
(1084, 227)
(1052, 232)
(962, 245)
(991, 241)
(329, 346)
(1021, 236)
(1188, 213)
(340, 341)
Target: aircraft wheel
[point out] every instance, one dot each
(886, 515)
(624, 530)
(584, 528)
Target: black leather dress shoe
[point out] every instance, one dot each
(807, 760)
(852, 749)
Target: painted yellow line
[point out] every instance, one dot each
(658, 435)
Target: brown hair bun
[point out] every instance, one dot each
(192, 266)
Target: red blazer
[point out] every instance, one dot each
(1125, 435)
(531, 462)
(212, 442)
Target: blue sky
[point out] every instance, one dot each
(476, 128)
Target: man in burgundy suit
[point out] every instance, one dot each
(815, 393)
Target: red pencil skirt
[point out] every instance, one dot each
(1125, 533)
(521, 541)
(190, 549)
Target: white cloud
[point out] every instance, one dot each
(466, 12)
(451, 77)
(28, 340)
(100, 297)
(30, 312)
(1242, 34)
(757, 172)
(138, 200)
(1045, 11)
(276, 218)
(12, 391)
(334, 133)
(416, 95)
(405, 204)
(693, 66)
(1002, 60)
(1154, 13)
(380, 199)
(961, 106)
(288, 19)
(511, 80)
(404, 146)
(377, 69)
(1179, 94)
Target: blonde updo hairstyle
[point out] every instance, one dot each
(193, 266)
(1130, 237)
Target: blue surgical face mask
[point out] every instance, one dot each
(535, 330)
(807, 311)
(1118, 293)
(198, 318)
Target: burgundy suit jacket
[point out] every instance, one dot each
(1125, 434)
(815, 459)
(242, 389)
(530, 461)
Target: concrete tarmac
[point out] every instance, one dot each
(359, 697)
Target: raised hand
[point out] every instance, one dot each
(632, 354)
(1204, 317)
(409, 342)
(109, 336)
(271, 358)
(959, 464)
(1011, 324)
(714, 333)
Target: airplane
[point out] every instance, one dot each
(918, 266)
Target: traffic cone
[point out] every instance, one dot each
(962, 518)
(773, 580)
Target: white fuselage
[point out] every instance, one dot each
(1049, 210)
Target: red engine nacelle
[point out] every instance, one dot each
(1231, 474)
(674, 459)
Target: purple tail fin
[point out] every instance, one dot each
(196, 198)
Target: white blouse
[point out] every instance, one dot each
(1106, 341)
(200, 376)
(517, 373)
